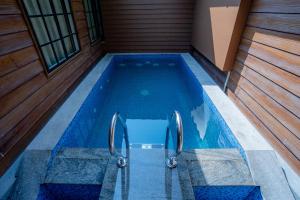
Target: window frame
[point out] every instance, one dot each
(67, 57)
(101, 38)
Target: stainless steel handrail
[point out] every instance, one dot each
(122, 162)
(172, 160)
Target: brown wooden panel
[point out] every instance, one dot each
(283, 41)
(286, 118)
(9, 7)
(147, 7)
(278, 130)
(27, 96)
(142, 12)
(77, 6)
(17, 96)
(282, 96)
(13, 61)
(19, 77)
(145, 2)
(121, 40)
(276, 6)
(289, 23)
(166, 18)
(281, 77)
(13, 42)
(262, 128)
(11, 24)
(128, 31)
(265, 82)
(147, 25)
(147, 35)
(281, 59)
(43, 106)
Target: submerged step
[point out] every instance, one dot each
(146, 177)
(147, 131)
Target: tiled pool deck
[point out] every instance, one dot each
(199, 168)
(259, 154)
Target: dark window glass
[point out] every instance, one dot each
(94, 21)
(53, 26)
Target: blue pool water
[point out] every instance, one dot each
(146, 89)
(227, 192)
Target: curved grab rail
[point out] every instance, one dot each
(172, 161)
(111, 139)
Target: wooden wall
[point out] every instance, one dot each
(265, 81)
(147, 25)
(27, 96)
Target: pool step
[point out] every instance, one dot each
(147, 177)
(217, 167)
(78, 166)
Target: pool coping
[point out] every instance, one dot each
(248, 137)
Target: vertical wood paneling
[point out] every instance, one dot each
(27, 95)
(147, 26)
(265, 82)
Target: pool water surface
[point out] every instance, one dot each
(146, 90)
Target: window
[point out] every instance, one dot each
(53, 26)
(93, 15)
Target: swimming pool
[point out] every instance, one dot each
(146, 90)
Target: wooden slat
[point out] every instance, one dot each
(126, 31)
(283, 41)
(159, 26)
(19, 77)
(147, 39)
(144, 2)
(286, 118)
(282, 96)
(141, 12)
(281, 59)
(281, 77)
(47, 99)
(27, 95)
(265, 82)
(14, 42)
(276, 6)
(174, 18)
(148, 7)
(277, 129)
(17, 96)
(139, 25)
(132, 35)
(144, 22)
(8, 7)
(13, 61)
(262, 128)
(288, 23)
(11, 24)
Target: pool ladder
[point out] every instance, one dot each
(122, 160)
(171, 161)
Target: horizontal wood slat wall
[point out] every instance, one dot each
(147, 26)
(265, 82)
(27, 96)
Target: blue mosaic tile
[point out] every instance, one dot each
(227, 193)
